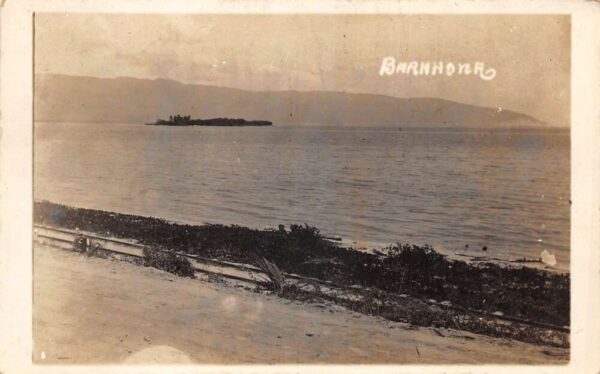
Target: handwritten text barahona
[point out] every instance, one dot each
(389, 66)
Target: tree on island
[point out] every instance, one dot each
(179, 118)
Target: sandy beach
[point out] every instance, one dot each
(90, 310)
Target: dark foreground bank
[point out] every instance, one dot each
(416, 271)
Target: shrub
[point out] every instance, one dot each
(169, 262)
(80, 244)
(275, 275)
(88, 246)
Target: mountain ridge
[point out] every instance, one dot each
(67, 98)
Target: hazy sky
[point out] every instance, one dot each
(531, 54)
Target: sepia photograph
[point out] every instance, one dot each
(260, 186)
(301, 189)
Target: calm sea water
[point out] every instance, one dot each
(507, 190)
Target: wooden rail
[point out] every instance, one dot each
(139, 247)
(243, 267)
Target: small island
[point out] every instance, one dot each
(178, 120)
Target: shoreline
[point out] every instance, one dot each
(418, 273)
(368, 246)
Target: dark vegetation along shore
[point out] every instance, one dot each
(178, 120)
(398, 284)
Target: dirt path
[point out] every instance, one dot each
(96, 311)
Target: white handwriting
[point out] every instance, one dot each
(389, 66)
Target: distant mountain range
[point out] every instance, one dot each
(63, 98)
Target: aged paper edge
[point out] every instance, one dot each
(16, 91)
